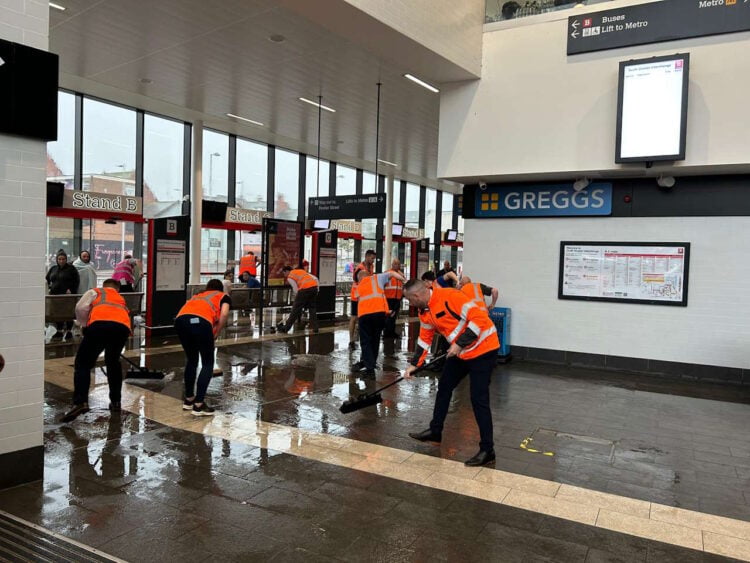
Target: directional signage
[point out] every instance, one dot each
(95, 201)
(371, 206)
(655, 22)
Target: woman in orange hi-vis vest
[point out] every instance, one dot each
(198, 323)
(473, 348)
(106, 326)
(372, 311)
(305, 289)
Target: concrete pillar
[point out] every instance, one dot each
(196, 200)
(388, 222)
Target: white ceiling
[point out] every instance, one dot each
(215, 57)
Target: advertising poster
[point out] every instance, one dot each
(651, 273)
(283, 248)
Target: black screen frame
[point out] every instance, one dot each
(685, 285)
(685, 57)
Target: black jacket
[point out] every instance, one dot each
(60, 280)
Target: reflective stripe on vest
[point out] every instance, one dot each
(206, 305)
(394, 289)
(371, 297)
(302, 279)
(109, 305)
(123, 271)
(353, 296)
(247, 264)
(474, 292)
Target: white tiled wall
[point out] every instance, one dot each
(22, 241)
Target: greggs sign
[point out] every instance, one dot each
(94, 201)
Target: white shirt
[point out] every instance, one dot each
(83, 307)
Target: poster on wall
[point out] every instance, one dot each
(170, 260)
(654, 273)
(283, 246)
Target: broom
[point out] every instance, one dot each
(138, 372)
(367, 400)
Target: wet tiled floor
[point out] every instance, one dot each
(148, 491)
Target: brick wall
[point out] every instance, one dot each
(22, 242)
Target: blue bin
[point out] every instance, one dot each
(501, 317)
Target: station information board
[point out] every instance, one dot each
(654, 273)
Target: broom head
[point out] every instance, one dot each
(360, 402)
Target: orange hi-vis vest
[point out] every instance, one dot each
(361, 266)
(206, 305)
(302, 279)
(474, 292)
(247, 264)
(109, 305)
(394, 289)
(450, 312)
(371, 297)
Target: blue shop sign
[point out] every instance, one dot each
(543, 201)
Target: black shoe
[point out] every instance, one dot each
(368, 374)
(115, 406)
(187, 404)
(203, 410)
(58, 335)
(75, 412)
(359, 366)
(481, 458)
(281, 328)
(426, 436)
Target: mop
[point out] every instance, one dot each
(367, 400)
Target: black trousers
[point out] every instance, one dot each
(99, 336)
(390, 321)
(305, 299)
(197, 338)
(479, 371)
(370, 329)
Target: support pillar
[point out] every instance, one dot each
(196, 203)
(388, 222)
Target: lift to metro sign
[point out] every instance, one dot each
(371, 206)
(543, 201)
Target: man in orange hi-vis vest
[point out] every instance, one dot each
(368, 265)
(198, 323)
(249, 264)
(305, 289)
(371, 311)
(394, 293)
(473, 348)
(478, 291)
(105, 319)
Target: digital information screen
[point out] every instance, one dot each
(654, 273)
(652, 109)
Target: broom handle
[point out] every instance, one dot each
(434, 360)
(132, 363)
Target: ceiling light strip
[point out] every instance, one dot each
(57, 6)
(317, 105)
(388, 163)
(422, 83)
(245, 119)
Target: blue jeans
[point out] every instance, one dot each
(479, 370)
(197, 338)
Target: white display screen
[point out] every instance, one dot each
(398, 230)
(321, 223)
(653, 98)
(451, 235)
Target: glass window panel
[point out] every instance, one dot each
(369, 229)
(312, 188)
(215, 165)
(344, 260)
(163, 151)
(346, 180)
(213, 254)
(252, 175)
(429, 215)
(287, 184)
(412, 205)
(107, 244)
(368, 183)
(60, 153)
(108, 148)
(59, 237)
(459, 266)
(244, 242)
(447, 212)
(396, 201)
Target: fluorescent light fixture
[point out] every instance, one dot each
(581, 184)
(317, 105)
(381, 161)
(422, 83)
(245, 119)
(57, 6)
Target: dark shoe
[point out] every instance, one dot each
(359, 366)
(481, 458)
(281, 327)
(187, 404)
(368, 374)
(426, 436)
(203, 410)
(75, 412)
(58, 335)
(115, 406)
